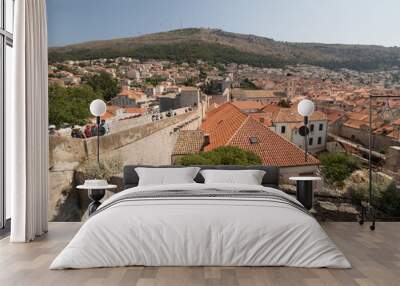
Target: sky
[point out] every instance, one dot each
(325, 21)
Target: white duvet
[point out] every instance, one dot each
(200, 231)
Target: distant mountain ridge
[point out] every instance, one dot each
(215, 45)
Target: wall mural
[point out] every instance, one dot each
(197, 96)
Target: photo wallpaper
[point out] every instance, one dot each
(219, 83)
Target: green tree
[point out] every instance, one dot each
(227, 155)
(212, 87)
(337, 167)
(284, 103)
(202, 74)
(104, 85)
(70, 104)
(155, 80)
(190, 82)
(248, 84)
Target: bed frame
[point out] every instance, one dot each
(270, 179)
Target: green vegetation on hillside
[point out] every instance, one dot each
(227, 155)
(337, 167)
(182, 52)
(215, 46)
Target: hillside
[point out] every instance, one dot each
(219, 46)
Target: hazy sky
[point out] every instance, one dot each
(327, 21)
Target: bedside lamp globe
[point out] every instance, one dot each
(98, 107)
(305, 107)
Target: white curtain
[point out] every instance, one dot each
(27, 121)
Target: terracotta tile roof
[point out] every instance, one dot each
(246, 105)
(107, 115)
(228, 126)
(112, 108)
(248, 93)
(134, 110)
(264, 118)
(291, 115)
(358, 124)
(358, 116)
(271, 108)
(133, 94)
(352, 123)
(334, 115)
(221, 123)
(272, 148)
(396, 122)
(189, 142)
(259, 93)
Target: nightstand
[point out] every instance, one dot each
(95, 193)
(304, 190)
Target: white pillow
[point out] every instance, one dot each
(166, 176)
(248, 177)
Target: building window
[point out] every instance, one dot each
(310, 141)
(283, 129)
(321, 127)
(312, 128)
(319, 140)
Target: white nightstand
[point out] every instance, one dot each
(95, 195)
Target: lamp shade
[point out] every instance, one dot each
(305, 107)
(98, 107)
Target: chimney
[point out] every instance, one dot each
(206, 140)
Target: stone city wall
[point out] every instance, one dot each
(150, 143)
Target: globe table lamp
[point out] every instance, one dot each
(98, 108)
(305, 109)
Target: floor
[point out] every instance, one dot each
(375, 257)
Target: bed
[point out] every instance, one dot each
(201, 224)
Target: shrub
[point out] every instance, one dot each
(385, 194)
(357, 185)
(284, 103)
(389, 203)
(227, 155)
(337, 167)
(248, 84)
(107, 168)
